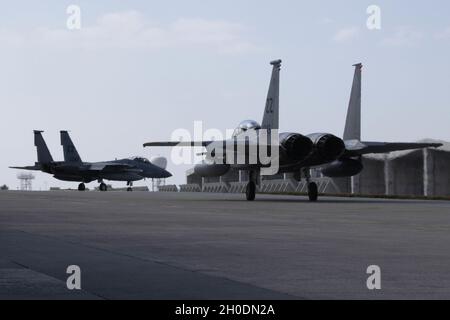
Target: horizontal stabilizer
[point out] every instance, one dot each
(356, 148)
(27, 168)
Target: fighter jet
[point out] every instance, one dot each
(297, 153)
(74, 169)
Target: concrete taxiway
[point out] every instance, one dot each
(219, 246)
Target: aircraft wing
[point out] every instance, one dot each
(226, 145)
(356, 148)
(111, 167)
(177, 144)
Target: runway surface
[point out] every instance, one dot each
(218, 246)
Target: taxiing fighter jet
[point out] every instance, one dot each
(297, 153)
(74, 169)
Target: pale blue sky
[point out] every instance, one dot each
(137, 70)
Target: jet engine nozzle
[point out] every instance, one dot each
(328, 146)
(297, 146)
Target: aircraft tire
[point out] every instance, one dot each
(312, 191)
(81, 187)
(250, 191)
(103, 187)
(129, 189)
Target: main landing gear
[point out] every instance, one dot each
(130, 186)
(81, 187)
(313, 192)
(250, 191)
(103, 187)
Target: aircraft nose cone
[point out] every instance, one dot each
(166, 174)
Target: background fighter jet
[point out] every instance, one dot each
(298, 153)
(74, 169)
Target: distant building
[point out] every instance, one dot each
(417, 173)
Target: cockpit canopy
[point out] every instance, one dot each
(140, 159)
(245, 126)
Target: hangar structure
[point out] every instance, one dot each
(423, 172)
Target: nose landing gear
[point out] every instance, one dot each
(130, 186)
(250, 191)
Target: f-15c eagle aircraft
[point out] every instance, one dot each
(297, 153)
(74, 169)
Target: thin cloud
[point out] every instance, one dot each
(443, 35)
(325, 21)
(346, 34)
(130, 30)
(403, 36)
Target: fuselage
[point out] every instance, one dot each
(131, 170)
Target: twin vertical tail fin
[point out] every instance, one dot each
(352, 129)
(43, 154)
(70, 152)
(271, 111)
